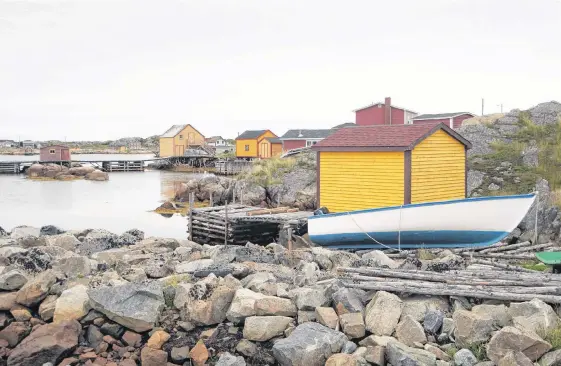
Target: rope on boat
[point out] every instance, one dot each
(376, 241)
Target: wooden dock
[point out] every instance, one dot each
(238, 224)
(9, 167)
(231, 167)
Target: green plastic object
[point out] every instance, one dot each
(550, 258)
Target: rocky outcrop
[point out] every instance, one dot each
(132, 305)
(47, 344)
(310, 344)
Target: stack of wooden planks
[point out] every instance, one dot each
(238, 224)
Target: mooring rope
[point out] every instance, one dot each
(376, 241)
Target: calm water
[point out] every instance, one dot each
(87, 157)
(122, 203)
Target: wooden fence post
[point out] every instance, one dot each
(211, 201)
(191, 206)
(226, 223)
(289, 235)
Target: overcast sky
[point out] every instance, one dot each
(96, 70)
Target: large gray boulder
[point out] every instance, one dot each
(471, 328)
(418, 306)
(346, 300)
(12, 280)
(499, 314)
(399, 354)
(310, 344)
(66, 241)
(409, 331)
(535, 315)
(383, 313)
(23, 231)
(48, 343)
(263, 328)
(309, 298)
(208, 303)
(228, 359)
(464, 357)
(513, 339)
(135, 306)
(35, 290)
(380, 259)
(243, 305)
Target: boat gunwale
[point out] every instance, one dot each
(424, 204)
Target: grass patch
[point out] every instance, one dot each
(267, 173)
(175, 280)
(425, 254)
(521, 178)
(552, 336)
(534, 266)
(479, 351)
(451, 352)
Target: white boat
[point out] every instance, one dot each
(466, 222)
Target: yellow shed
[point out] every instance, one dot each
(390, 165)
(253, 144)
(179, 138)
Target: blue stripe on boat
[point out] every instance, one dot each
(474, 199)
(410, 239)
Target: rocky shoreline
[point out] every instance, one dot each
(91, 297)
(61, 172)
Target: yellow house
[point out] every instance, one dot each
(178, 138)
(254, 144)
(390, 165)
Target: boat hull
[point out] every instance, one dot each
(478, 221)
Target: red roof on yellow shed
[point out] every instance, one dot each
(394, 137)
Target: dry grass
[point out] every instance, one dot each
(267, 173)
(425, 254)
(552, 336)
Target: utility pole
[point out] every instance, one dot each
(500, 105)
(482, 106)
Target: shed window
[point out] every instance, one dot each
(310, 143)
(181, 137)
(246, 147)
(52, 151)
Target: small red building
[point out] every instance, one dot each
(452, 120)
(54, 153)
(294, 139)
(384, 114)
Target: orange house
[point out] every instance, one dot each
(257, 144)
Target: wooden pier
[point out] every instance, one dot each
(237, 224)
(231, 167)
(123, 166)
(9, 167)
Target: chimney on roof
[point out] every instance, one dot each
(388, 111)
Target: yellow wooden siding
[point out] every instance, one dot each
(360, 180)
(176, 146)
(240, 148)
(277, 149)
(438, 169)
(166, 147)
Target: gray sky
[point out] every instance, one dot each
(103, 69)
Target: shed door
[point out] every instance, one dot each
(65, 154)
(264, 150)
(179, 150)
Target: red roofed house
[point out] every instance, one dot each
(377, 166)
(452, 120)
(384, 114)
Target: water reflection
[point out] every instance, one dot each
(125, 201)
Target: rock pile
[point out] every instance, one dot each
(295, 188)
(61, 172)
(96, 298)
